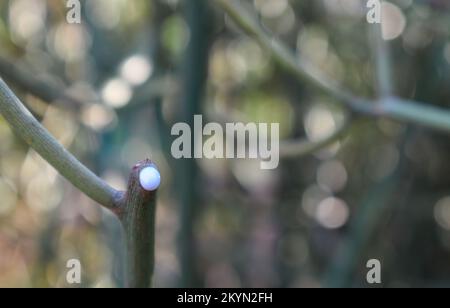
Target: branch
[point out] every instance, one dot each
(135, 208)
(53, 94)
(193, 81)
(38, 138)
(45, 90)
(415, 112)
(303, 147)
(391, 107)
(382, 61)
(138, 220)
(361, 230)
(300, 68)
(370, 211)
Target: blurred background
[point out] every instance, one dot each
(138, 67)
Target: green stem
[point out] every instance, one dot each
(416, 113)
(138, 220)
(382, 61)
(299, 148)
(135, 207)
(193, 83)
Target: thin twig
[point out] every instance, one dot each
(299, 67)
(303, 147)
(53, 94)
(416, 113)
(382, 61)
(390, 107)
(37, 137)
(361, 230)
(369, 213)
(45, 90)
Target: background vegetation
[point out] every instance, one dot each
(110, 88)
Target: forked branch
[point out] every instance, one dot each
(135, 207)
(37, 137)
(387, 106)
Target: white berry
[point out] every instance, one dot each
(150, 178)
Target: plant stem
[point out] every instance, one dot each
(300, 68)
(362, 229)
(387, 106)
(193, 83)
(382, 61)
(135, 208)
(416, 113)
(138, 220)
(37, 137)
(299, 148)
(45, 90)
(53, 94)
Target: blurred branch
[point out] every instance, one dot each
(362, 229)
(157, 87)
(391, 107)
(366, 222)
(371, 209)
(416, 113)
(43, 89)
(51, 93)
(194, 74)
(298, 67)
(35, 135)
(303, 147)
(382, 61)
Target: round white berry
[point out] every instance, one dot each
(149, 178)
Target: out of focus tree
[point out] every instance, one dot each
(364, 124)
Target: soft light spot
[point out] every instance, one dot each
(71, 43)
(98, 117)
(393, 21)
(249, 174)
(105, 14)
(271, 8)
(310, 200)
(27, 19)
(150, 178)
(116, 93)
(136, 69)
(332, 176)
(319, 123)
(332, 213)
